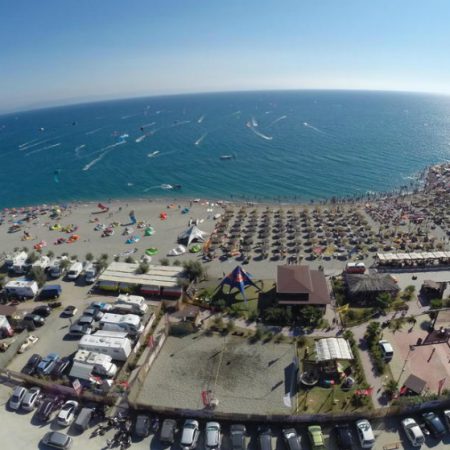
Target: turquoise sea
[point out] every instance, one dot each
(288, 146)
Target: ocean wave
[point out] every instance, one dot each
(105, 150)
(77, 149)
(43, 141)
(254, 122)
(200, 139)
(141, 138)
(277, 120)
(48, 147)
(307, 125)
(236, 113)
(28, 143)
(178, 123)
(202, 118)
(147, 125)
(261, 135)
(93, 131)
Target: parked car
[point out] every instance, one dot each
(32, 364)
(58, 440)
(34, 319)
(101, 306)
(316, 437)
(48, 408)
(52, 291)
(43, 310)
(344, 437)
(413, 432)
(69, 311)
(447, 418)
(86, 320)
(292, 439)
(47, 364)
(365, 433)
(94, 312)
(237, 434)
(67, 413)
(83, 420)
(29, 342)
(17, 397)
(31, 398)
(142, 426)
(78, 329)
(265, 438)
(60, 367)
(386, 350)
(213, 438)
(434, 424)
(168, 431)
(190, 434)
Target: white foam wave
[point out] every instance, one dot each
(77, 149)
(43, 141)
(152, 187)
(254, 122)
(48, 147)
(200, 139)
(277, 120)
(307, 125)
(181, 122)
(236, 113)
(141, 138)
(105, 150)
(261, 135)
(28, 143)
(94, 131)
(147, 125)
(202, 118)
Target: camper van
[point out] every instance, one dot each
(20, 265)
(55, 269)
(99, 364)
(75, 271)
(117, 348)
(21, 289)
(10, 259)
(138, 303)
(90, 273)
(43, 262)
(130, 323)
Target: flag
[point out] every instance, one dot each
(441, 385)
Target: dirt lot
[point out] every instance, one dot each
(249, 378)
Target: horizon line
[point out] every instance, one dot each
(64, 103)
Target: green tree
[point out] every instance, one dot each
(384, 300)
(37, 274)
(50, 253)
(164, 262)
(129, 260)
(143, 267)
(104, 256)
(177, 263)
(32, 257)
(89, 256)
(310, 315)
(194, 270)
(391, 387)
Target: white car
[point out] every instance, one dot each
(29, 342)
(413, 432)
(365, 433)
(67, 413)
(190, 434)
(17, 397)
(213, 436)
(31, 398)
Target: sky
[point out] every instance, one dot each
(59, 52)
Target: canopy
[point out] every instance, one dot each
(179, 250)
(333, 348)
(239, 279)
(193, 233)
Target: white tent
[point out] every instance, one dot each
(192, 234)
(333, 348)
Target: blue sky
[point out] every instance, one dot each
(62, 51)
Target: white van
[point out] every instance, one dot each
(136, 301)
(90, 273)
(386, 350)
(75, 271)
(21, 289)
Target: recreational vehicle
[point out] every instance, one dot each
(75, 271)
(130, 323)
(136, 301)
(117, 348)
(21, 289)
(99, 364)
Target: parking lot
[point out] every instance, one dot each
(244, 377)
(19, 431)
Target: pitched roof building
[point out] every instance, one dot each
(298, 285)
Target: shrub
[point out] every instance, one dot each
(231, 326)
(301, 341)
(143, 267)
(89, 256)
(164, 262)
(436, 303)
(177, 263)
(129, 259)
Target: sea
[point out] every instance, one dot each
(282, 146)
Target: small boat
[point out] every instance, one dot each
(153, 154)
(225, 157)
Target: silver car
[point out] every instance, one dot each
(213, 436)
(31, 398)
(190, 434)
(16, 399)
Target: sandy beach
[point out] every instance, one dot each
(264, 235)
